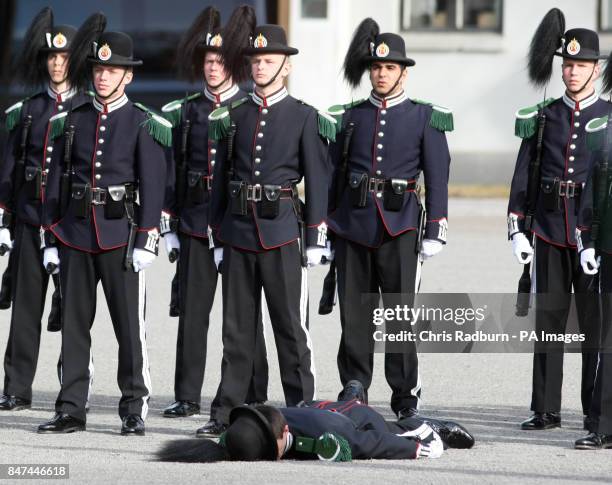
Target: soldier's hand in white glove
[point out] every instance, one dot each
(142, 259)
(315, 255)
(521, 247)
(173, 246)
(5, 241)
(51, 260)
(218, 255)
(430, 248)
(589, 263)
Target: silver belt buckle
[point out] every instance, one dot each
(98, 196)
(255, 193)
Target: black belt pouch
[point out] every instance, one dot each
(195, 187)
(33, 182)
(394, 193)
(549, 197)
(81, 200)
(238, 198)
(114, 208)
(358, 183)
(268, 207)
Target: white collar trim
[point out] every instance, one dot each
(221, 97)
(118, 103)
(387, 102)
(269, 100)
(63, 96)
(585, 103)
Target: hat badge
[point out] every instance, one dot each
(260, 41)
(59, 40)
(382, 50)
(216, 41)
(573, 47)
(104, 53)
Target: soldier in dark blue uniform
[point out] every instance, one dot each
(385, 143)
(551, 212)
(594, 239)
(269, 143)
(331, 431)
(108, 155)
(22, 191)
(188, 205)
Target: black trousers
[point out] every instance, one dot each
(391, 268)
(557, 271)
(601, 407)
(284, 282)
(29, 288)
(125, 296)
(197, 283)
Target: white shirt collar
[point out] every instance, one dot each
(221, 97)
(585, 103)
(270, 100)
(107, 108)
(388, 102)
(63, 96)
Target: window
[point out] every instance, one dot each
(314, 9)
(452, 15)
(605, 15)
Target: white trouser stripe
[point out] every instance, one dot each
(265, 320)
(91, 376)
(422, 432)
(146, 376)
(303, 314)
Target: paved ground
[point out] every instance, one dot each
(488, 393)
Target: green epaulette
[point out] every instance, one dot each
(337, 111)
(596, 133)
(57, 123)
(526, 122)
(441, 117)
(157, 126)
(326, 123)
(13, 114)
(173, 110)
(220, 121)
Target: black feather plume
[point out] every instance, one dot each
(544, 44)
(354, 63)
(192, 451)
(236, 36)
(188, 61)
(82, 48)
(607, 75)
(31, 66)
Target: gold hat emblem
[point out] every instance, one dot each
(216, 41)
(260, 42)
(105, 53)
(573, 47)
(382, 50)
(59, 40)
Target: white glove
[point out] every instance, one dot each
(142, 259)
(589, 264)
(430, 248)
(520, 245)
(172, 242)
(50, 255)
(431, 448)
(332, 252)
(5, 238)
(218, 255)
(316, 253)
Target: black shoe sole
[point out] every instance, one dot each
(543, 428)
(591, 447)
(209, 435)
(132, 433)
(172, 415)
(64, 431)
(17, 408)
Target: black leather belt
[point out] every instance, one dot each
(254, 193)
(378, 185)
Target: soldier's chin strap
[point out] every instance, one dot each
(114, 90)
(576, 91)
(265, 85)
